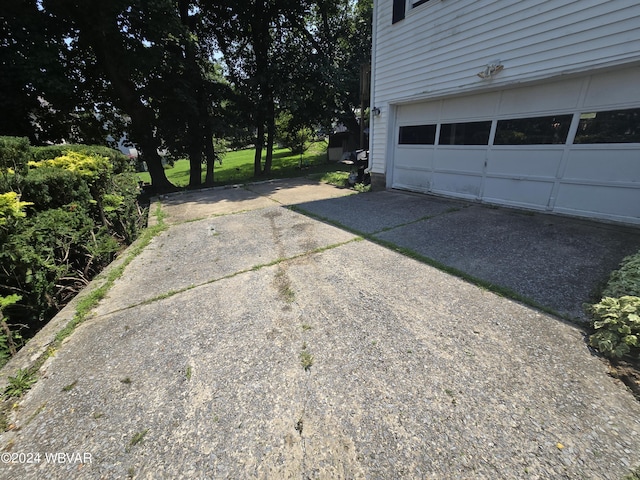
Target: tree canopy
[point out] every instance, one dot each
(175, 74)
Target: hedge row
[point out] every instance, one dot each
(65, 212)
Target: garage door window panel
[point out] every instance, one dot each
(533, 131)
(617, 126)
(470, 133)
(417, 135)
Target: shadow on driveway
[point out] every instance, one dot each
(553, 262)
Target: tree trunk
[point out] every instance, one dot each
(159, 180)
(195, 159)
(271, 129)
(257, 159)
(210, 155)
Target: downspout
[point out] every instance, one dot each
(372, 80)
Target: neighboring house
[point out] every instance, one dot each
(522, 103)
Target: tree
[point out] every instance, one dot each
(191, 93)
(337, 44)
(121, 42)
(250, 36)
(301, 57)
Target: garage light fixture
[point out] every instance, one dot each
(491, 69)
(375, 111)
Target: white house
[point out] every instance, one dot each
(529, 103)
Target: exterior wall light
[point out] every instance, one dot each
(491, 69)
(375, 111)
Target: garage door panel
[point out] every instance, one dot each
(465, 160)
(540, 98)
(601, 93)
(540, 162)
(412, 179)
(460, 185)
(524, 165)
(532, 194)
(419, 112)
(606, 200)
(420, 158)
(603, 164)
(484, 106)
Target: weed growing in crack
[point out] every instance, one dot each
(20, 383)
(70, 386)
(452, 395)
(283, 285)
(137, 438)
(306, 359)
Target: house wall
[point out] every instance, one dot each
(440, 46)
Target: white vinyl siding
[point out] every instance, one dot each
(439, 48)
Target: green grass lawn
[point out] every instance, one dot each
(237, 167)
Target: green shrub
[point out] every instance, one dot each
(68, 211)
(11, 208)
(42, 258)
(9, 340)
(92, 168)
(50, 187)
(617, 324)
(15, 152)
(121, 208)
(119, 161)
(625, 280)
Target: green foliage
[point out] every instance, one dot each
(88, 166)
(53, 255)
(362, 188)
(617, 324)
(118, 161)
(291, 135)
(11, 208)
(15, 152)
(306, 360)
(20, 383)
(8, 339)
(625, 280)
(49, 187)
(339, 179)
(80, 208)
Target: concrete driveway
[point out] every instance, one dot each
(271, 332)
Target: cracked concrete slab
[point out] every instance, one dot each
(412, 372)
(202, 251)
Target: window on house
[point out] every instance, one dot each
(398, 10)
(617, 126)
(470, 133)
(533, 131)
(417, 135)
(417, 3)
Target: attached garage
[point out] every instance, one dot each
(570, 146)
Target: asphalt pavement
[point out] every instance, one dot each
(291, 329)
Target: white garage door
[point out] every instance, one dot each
(571, 146)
